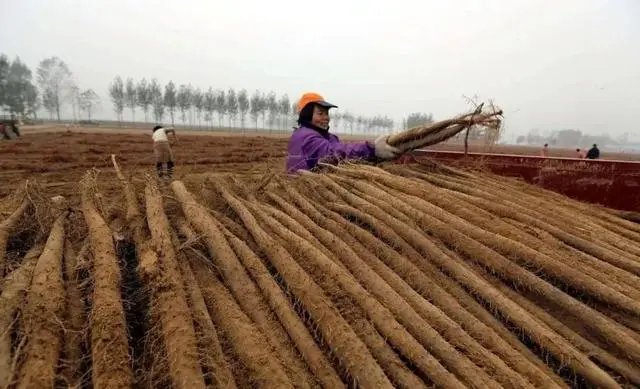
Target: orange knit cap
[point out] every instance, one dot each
(311, 97)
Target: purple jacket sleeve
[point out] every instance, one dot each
(317, 147)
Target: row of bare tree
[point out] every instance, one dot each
(221, 108)
(55, 86)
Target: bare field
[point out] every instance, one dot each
(451, 145)
(43, 128)
(58, 159)
(531, 150)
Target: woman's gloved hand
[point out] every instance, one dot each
(384, 150)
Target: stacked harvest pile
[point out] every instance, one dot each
(404, 276)
(434, 133)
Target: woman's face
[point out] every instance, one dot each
(320, 117)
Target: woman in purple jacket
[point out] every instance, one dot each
(311, 142)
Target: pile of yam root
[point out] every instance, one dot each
(357, 276)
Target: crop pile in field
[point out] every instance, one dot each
(404, 276)
(433, 133)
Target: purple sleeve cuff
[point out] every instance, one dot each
(320, 148)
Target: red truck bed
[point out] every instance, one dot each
(614, 184)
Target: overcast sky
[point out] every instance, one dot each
(566, 64)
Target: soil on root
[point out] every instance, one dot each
(548, 274)
(566, 369)
(463, 275)
(241, 372)
(15, 288)
(216, 367)
(110, 349)
(398, 371)
(403, 300)
(248, 342)
(428, 284)
(244, 288)
(75, 322)
(619, 279)
(382, 318)
(415, 196)
(451, 294)
(476, 251)
(45, 305)
(170, 300)
(280, 303)
(394, 247)
(528, 251)
(570, 329)
(568, 227)
(147, 356)
(345, 344)
(7, 229)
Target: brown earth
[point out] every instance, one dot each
(557, 152)
(57, 156)
(57, 160)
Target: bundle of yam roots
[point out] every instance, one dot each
(399, 276)
(433, 133)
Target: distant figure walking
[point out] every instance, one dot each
(3, 131)
(6, 125)
(13, 124)
(580, 153)
(594, 152)
(14, 127)
(162, 150)
(545, 150)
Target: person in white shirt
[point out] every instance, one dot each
(162, 149)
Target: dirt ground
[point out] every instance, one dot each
(44, 128)
(451, 145)
(531, 150)
(56, 157)
(57, 160)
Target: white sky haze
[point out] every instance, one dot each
(549, 65)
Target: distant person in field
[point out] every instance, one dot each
(545, 150)
(580, 154)
(14, 127)
(311, 141)
(162, 150)
(3, 131)
(594, 152)
(9, 124)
